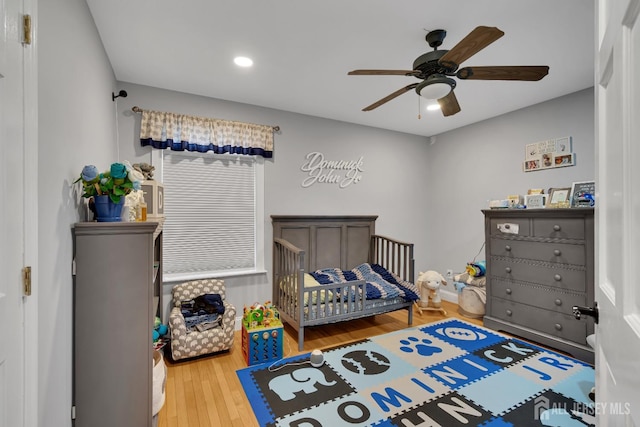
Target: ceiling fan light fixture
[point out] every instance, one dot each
(243, 61)
(435, 87)
(433, 107)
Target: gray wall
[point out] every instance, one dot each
(76, 126)
(469, 166)
(392, 177)
(427, 191)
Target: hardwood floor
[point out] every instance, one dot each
(206, 392)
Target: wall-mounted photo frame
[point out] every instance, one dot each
(559, 197)
(549, 154)
(583, 194)
(531, 151)
(562, 160)
(563, 145)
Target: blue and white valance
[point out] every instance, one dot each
(181, 132)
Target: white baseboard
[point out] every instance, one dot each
(450, 296)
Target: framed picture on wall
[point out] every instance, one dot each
(531, 165)
(531, 151)
(562, 160)
(559, 197)
(563, 145)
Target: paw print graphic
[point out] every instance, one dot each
(421, 346)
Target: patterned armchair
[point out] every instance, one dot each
(187, 344)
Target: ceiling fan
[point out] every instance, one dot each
(436, 68)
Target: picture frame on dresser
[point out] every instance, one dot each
(583, 194)
(559, 197)
(535, 201)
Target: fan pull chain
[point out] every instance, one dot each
(419, 115)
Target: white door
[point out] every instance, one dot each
(12, 367)
(618, 213)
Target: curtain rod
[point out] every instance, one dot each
(137, 109)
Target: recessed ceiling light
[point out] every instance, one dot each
(433, 107)
(243, 61)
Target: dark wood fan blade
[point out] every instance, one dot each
(390, 97)
(383, 73)
(522, 72)
(449, 104)
(473, 43)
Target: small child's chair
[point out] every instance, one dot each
(189, 342)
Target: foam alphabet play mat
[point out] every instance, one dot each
(449, 373)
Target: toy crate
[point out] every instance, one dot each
(154, 198)
(262, 344)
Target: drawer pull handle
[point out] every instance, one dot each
(558, 302)
(557, 252)
(509, 312)
(556, 227)
(557, 277)
(558, 327)
(508, 269)
(508, 291)
(507, 248)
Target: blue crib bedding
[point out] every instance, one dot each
(380, 283)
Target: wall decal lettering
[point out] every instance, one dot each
(339, 172)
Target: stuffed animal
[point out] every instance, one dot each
(159, 329)
(145, 169)
(429, 283)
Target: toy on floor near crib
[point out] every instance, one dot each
(476, 268)
(261, 315)
(429, 283)
(472, 294)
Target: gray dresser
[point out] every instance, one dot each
(540, 263)
(117, 284)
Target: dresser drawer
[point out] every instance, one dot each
(546, 298)
(549, 322)
(561, 253)
(544, 274)
(559, 228)
(510, 224)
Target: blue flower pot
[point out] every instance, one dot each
(106, 210)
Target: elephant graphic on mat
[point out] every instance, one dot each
(303, 379)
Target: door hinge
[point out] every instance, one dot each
(26, 280)
(26, 29)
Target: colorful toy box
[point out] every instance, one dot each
(262, 334)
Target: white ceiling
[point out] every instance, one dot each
(303, 49)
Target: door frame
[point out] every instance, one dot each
(30, 168)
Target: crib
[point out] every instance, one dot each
(304, 244)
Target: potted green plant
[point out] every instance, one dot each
(107, 189)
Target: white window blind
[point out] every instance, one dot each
(210, 213)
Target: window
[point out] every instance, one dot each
(213, 214)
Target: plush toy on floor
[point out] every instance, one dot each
(429, 284)
(159, 331)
